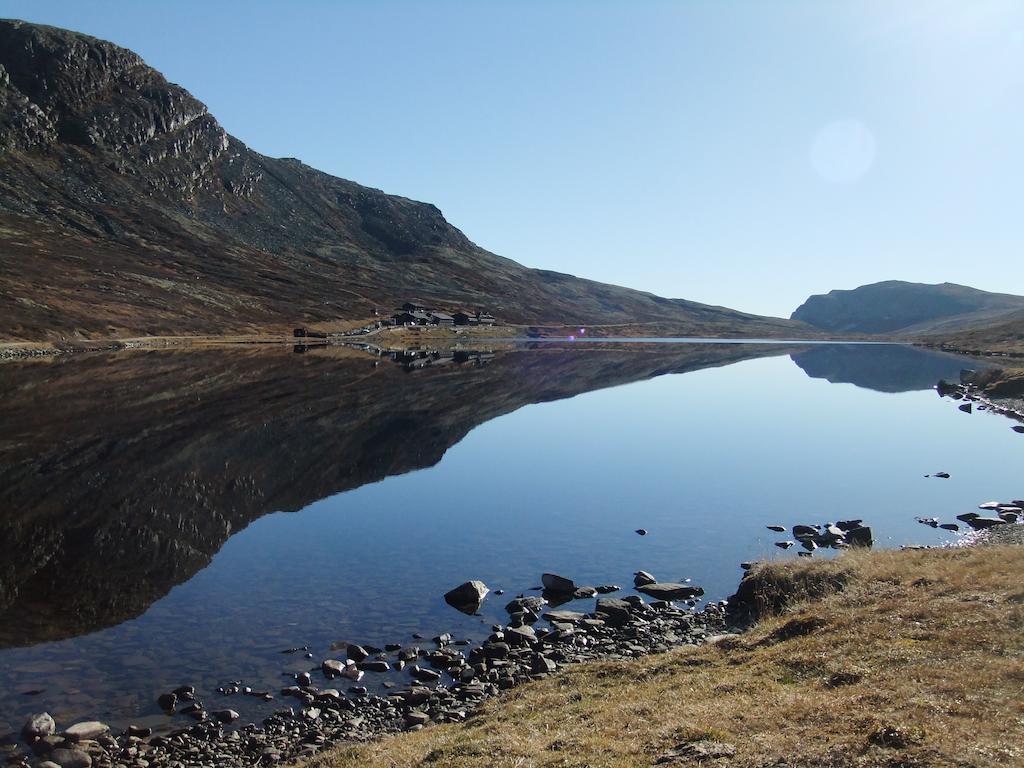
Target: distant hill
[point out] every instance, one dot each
(1004, 335)
(907, 308)
(125, 209)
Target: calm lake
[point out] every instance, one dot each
(171, 517)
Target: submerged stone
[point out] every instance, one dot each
(467, 597)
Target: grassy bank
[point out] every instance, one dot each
(908, 658)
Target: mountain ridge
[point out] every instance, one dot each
(127, 209)
(901, 307)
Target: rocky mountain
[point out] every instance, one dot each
(126, 208)
(909, 309)
(122, 475)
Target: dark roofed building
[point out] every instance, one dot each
(476, 318)
(410, 318)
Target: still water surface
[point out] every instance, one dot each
(145, 546)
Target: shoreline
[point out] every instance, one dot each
(319, 717)
(876, 658)
(390, 338)
(449, 681)
(972, 390)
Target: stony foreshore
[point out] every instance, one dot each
(448, 680)
(999, 391)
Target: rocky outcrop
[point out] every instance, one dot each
(125, 208)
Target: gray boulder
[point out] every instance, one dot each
(981, 523)
(521, 635)
(467, 597)
(531, 603)
(554, 583)
(643, 577)
(860, 537)
(670, 591)
(91, 729)
(38, 726)
(615, 612)
(569, 617)
(356, 652)
(332, 667)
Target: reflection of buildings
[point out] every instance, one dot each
(413, 360)
(418, 359)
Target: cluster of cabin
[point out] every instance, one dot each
(409, 314)
(416, 314)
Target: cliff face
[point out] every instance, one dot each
(126, 208)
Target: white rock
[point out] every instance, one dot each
(90, 729)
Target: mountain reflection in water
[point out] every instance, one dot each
(122, 475)
(137, 491)
(881, 367)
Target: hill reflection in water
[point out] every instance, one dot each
(122, 475)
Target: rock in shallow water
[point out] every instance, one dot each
(91, 729)
(332, 667)
(38, 726)
(554, 583)
(981, 523)
(356, 652)
(670, 591)
(860, 537)
(467, 597)
(643, 577)
(534, 604)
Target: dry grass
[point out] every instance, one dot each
(918, 660)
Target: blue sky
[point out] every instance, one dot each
(737, 153)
